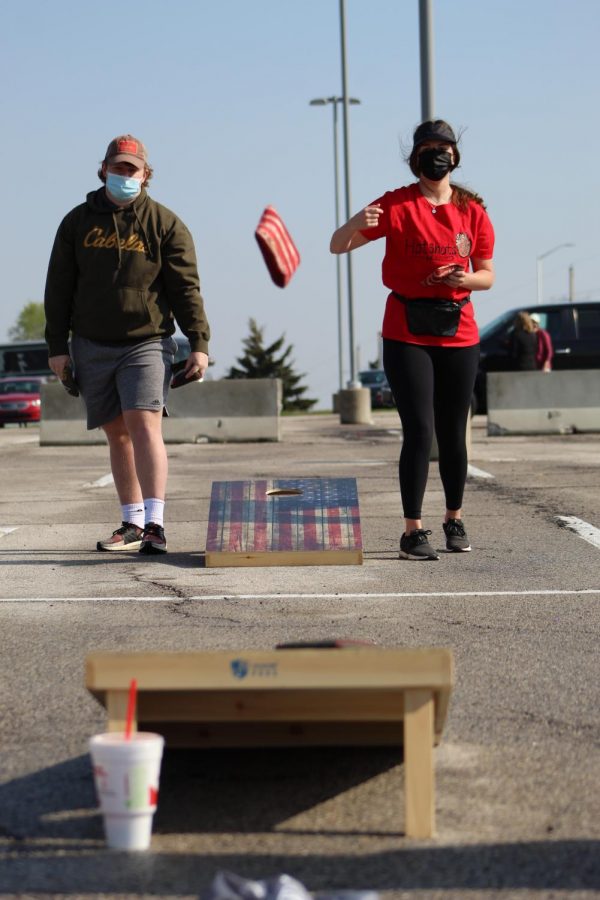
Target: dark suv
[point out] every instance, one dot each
(573, 327)
(375, 380)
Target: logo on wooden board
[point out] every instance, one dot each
(240, 668)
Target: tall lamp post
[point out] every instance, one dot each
(333, 101)
(426, 48)
(353, 383)
(539, 260)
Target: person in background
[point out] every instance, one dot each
(122, 272)
(439, 248)
(544, 351)
(523, 343)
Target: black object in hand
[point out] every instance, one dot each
(68, 382)
(178, 372)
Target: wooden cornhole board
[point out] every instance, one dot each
(311, 697)
(284, 522)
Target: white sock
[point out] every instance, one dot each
(133, 513)
(155, 510)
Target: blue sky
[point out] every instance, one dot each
(219, 92)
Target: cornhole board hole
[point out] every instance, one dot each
(284, 522)
(356, 696)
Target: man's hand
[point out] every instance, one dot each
(58, 364)
(196, 365)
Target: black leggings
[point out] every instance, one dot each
(431, 385)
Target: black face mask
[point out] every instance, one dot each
(434, 164)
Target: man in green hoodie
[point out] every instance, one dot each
(122, 272)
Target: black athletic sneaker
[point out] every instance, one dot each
(416, 546)
(127, 537)
(153, 539)
(456, 536)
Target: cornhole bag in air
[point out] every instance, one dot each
(277, 247)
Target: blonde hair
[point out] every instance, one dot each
(524, 322)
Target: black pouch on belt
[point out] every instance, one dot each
(427, 315)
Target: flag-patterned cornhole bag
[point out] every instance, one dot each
(277, 247)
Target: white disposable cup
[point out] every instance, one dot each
(126, 774)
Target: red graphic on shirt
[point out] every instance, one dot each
(127, 147)
(153, 796)
(463, 244)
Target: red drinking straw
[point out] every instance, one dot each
(130, 709)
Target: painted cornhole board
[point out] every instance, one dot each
(284, 522)
(355, 696)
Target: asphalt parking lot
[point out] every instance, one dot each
(518, 769)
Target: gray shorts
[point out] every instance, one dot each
(117, 377)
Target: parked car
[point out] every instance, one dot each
(20, 399)
(573, 327)
(381, 393)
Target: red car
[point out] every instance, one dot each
(20, 399)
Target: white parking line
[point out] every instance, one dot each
(474, 472)
(584, 530)
(6, 529)
(101, 482)
(366, 596)
(339, 462)
(393, 596)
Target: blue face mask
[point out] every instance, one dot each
(122, 188)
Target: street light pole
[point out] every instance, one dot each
(426, 47)
(571, 284)
(539, 259)
(346, 100)
(333, 101)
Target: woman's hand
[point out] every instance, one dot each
(348, 236)
(457, 279)
(480, 279)
(366, 218)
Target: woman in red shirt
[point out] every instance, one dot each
(439, 248)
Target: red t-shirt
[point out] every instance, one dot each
(419, 240)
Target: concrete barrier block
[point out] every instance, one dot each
(543, 402)
(354, 406)
(227, 410)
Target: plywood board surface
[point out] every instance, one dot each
(284, 521)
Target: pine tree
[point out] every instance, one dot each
(259, 361)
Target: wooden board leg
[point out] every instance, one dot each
(116, 708)
(418, 763)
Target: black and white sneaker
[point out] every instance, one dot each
(456, 536)
(127, 537)
(416, 546)
(153, 539)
